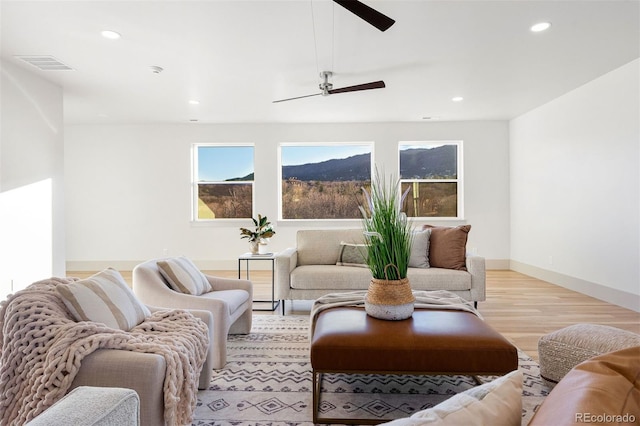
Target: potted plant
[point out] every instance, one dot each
(388, 234)
(259, 235)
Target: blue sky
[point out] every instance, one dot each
(218, 163)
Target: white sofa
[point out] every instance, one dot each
(96, 406)
(309, 270)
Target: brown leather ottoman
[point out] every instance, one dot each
(347, 340)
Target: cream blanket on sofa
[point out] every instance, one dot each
(42, 349)
(436, 299)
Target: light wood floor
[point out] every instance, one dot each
(520, 307)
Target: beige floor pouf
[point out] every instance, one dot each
(563, 349)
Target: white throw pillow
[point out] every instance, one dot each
(420, 249)
(497, 403)
(183, 276)
(106, 298)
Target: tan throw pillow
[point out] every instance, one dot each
(447, 246)
(420, 249)
(183, 276)
(495, 403)
(352, 255)
(106, 298)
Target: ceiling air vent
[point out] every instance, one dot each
(45, 63)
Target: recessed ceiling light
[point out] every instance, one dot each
(540, 26)
(111, 35)
(457, 99)
(194, 102)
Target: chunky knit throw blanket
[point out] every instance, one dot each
(42, 349)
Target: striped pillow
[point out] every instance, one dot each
(183, 276)
(104, 297)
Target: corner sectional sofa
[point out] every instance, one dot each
(313, 268)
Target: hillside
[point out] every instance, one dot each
(418, 163)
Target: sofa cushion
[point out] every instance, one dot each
(332, 277)
(322, 246)
(183, 276)
(105, 298)
(420, 249)
(447, 247)
(606, 385)
(438, 279)
(495, 403)
(352, 255)
(234, 298)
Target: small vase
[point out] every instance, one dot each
(253, 247)
(389, 299)
(262, 248)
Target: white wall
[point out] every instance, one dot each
(575, 189)
(128, 187)
(31, 162)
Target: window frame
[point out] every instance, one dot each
(459, 180)
(282, 145)
(195, 183)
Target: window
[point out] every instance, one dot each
(223, 176)
(432, 171)
(324, 181)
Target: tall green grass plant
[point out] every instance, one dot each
(387, 230)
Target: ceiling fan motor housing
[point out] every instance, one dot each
(325, 86)
(327, 89)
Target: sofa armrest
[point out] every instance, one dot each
(210, 362)
(286, 261)
(476, 267)
(188, 302)
(207, 367)
(221, 283)
(142, 372)
(109, 407)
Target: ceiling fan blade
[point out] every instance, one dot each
(372, 16)
(297, 97)
(366, 86)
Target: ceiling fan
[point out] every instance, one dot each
(372, 16)
(327, 88)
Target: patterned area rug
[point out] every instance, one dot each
(268, 381)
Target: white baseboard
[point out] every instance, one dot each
(222, 265)
(128, 265)
(611, 295)
(499, 264)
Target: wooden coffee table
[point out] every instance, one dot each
(432, 342)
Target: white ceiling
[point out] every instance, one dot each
(236, 57)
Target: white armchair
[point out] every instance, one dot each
(230, 303)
